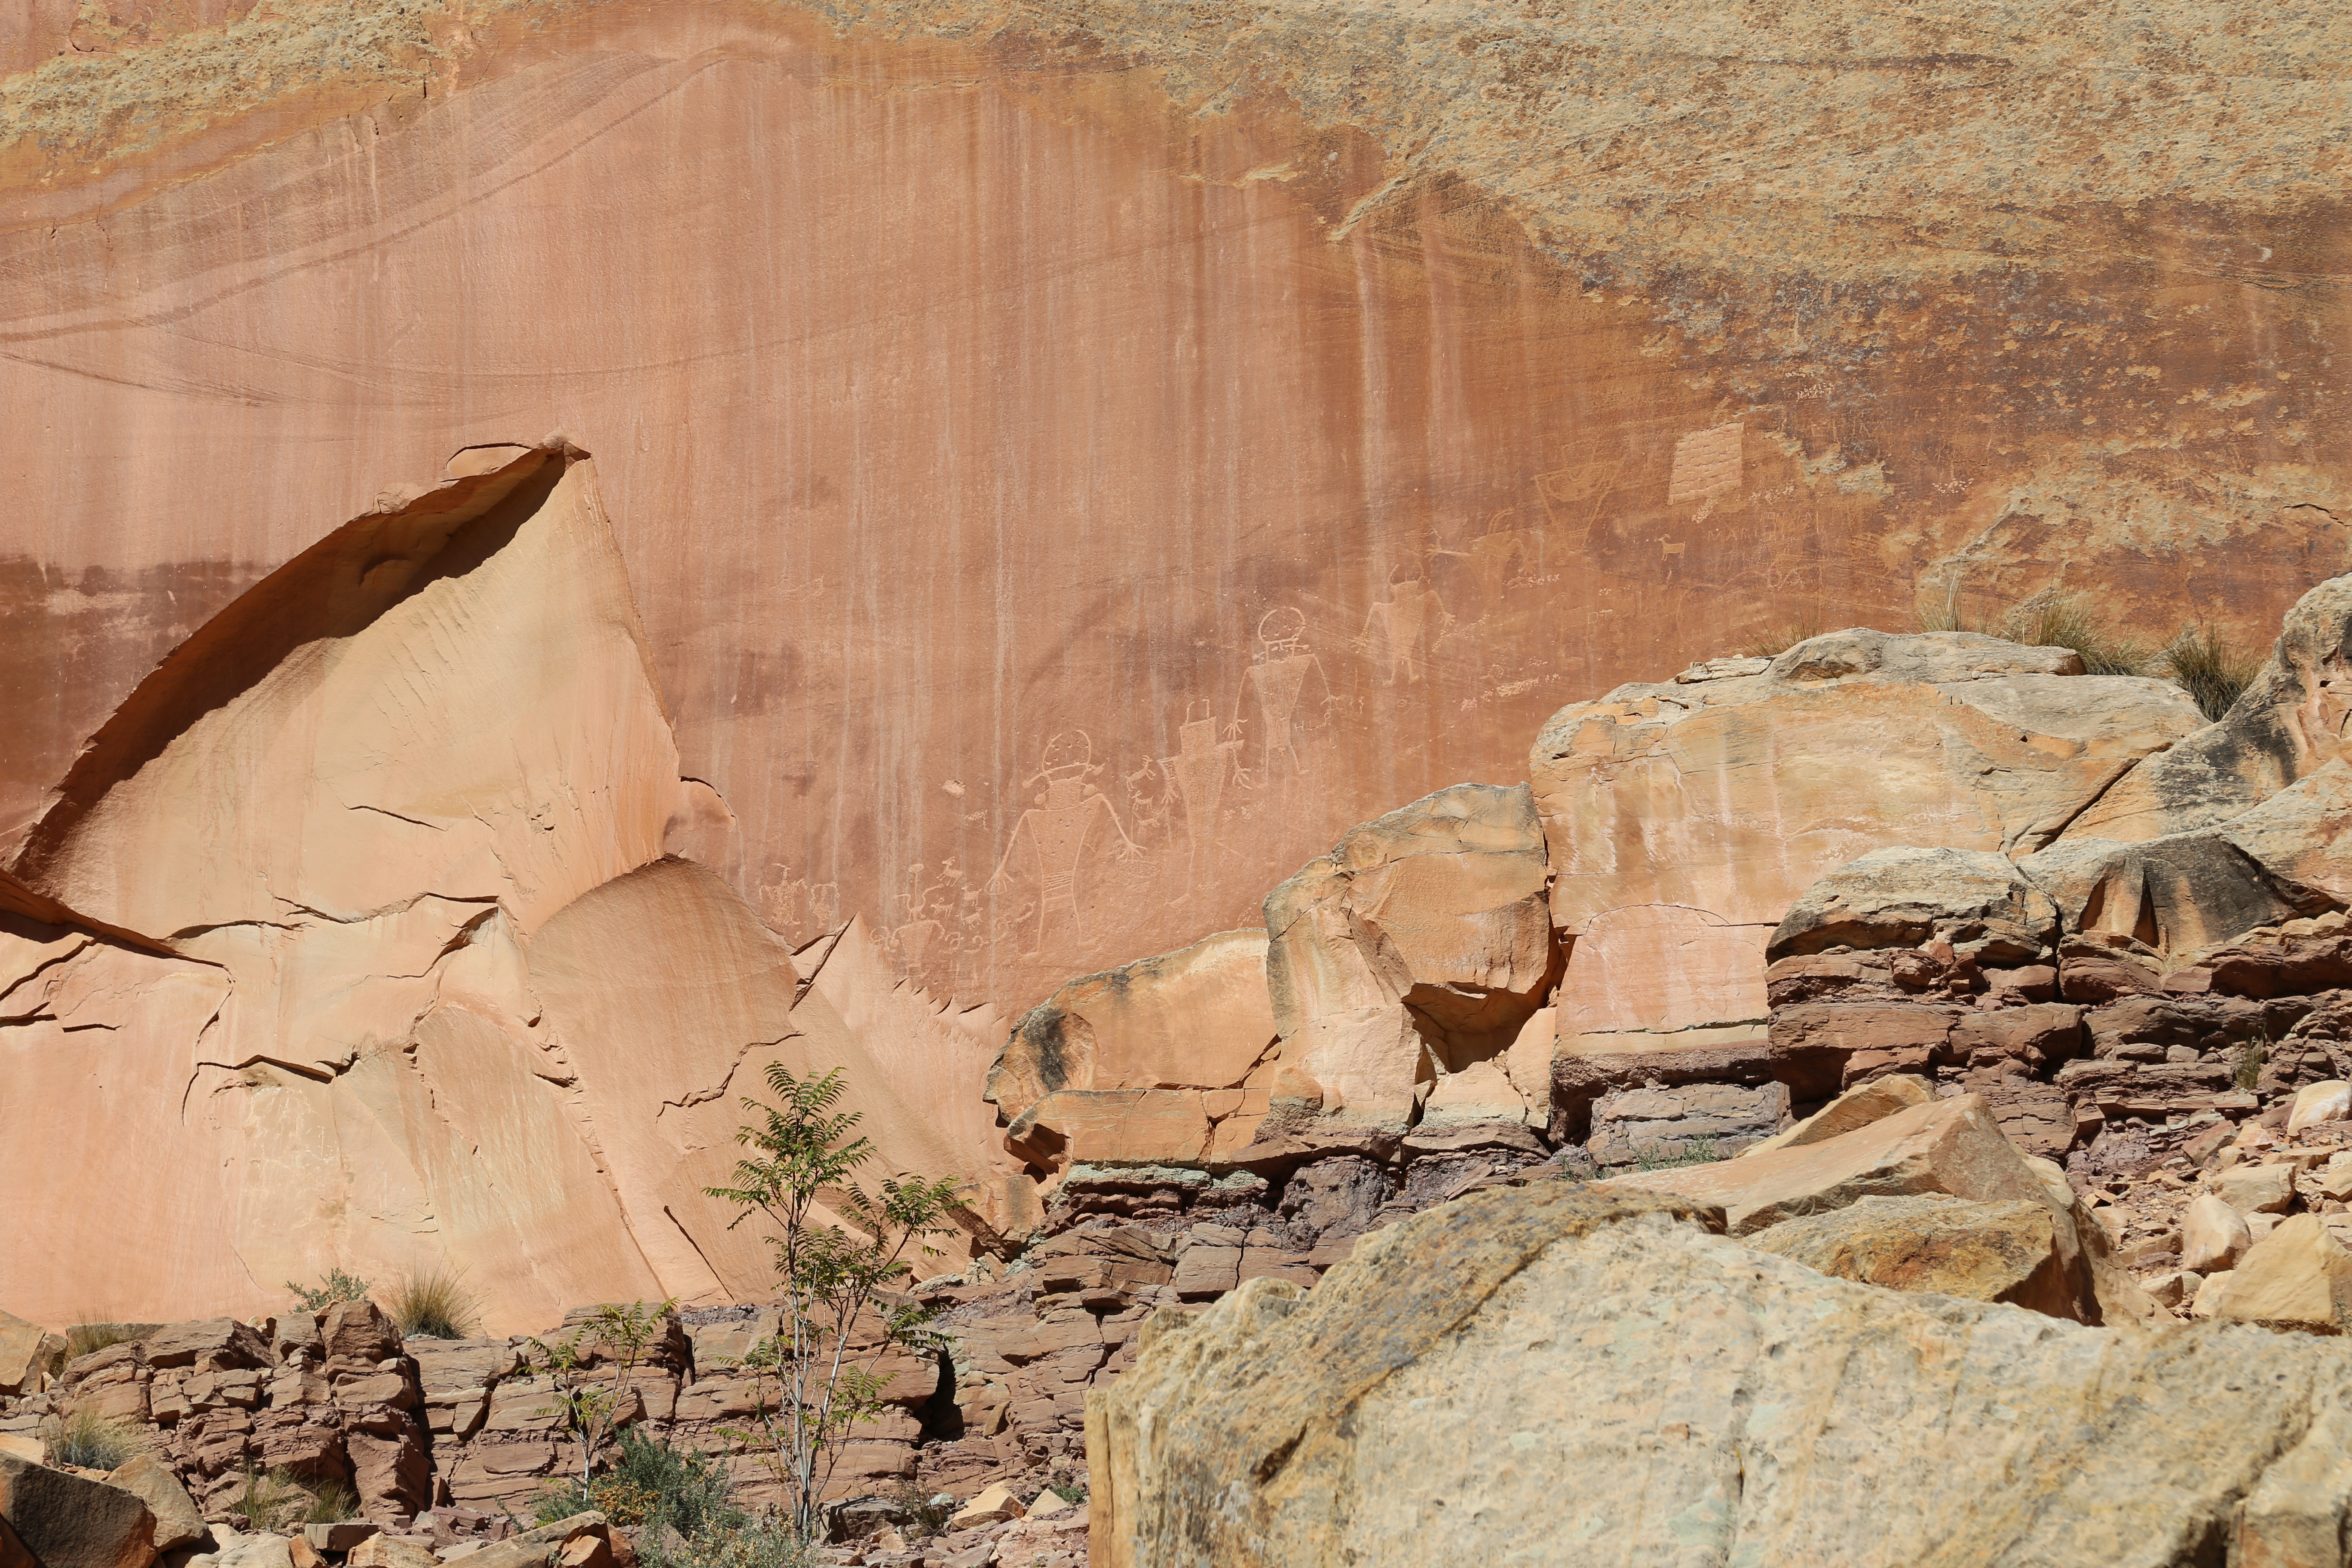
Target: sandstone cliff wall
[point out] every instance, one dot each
(1071, 461)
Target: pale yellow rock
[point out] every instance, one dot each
(382, 1551)
(2297, 1277)
(441, 1000)
(1857, 1107)
(1419, 946)
(1849, 742)
(151, 1480)
(994, 1504)
(23, 1447)
(2255, 1189)
(1046, 1504)
(2209, 1293)
(1582, 1354)
(1196, 1018)
(2315, 1103)
(2213, 1235)
(28, 1353)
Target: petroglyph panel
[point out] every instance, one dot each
(1707, 464)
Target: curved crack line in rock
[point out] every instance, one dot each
(412, 821)
(705, 1096)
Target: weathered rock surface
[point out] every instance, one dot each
(419, 984)
(201, 265)
(1844, 745)
(2287, 726)
(1953, 1147)
(150, 1481)
(1604, 1371)
(2297, 1277)
(1417, 950)
(66, 1522)
(1984, 1251)
(1977, 900)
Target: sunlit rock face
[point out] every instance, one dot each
(1056, 470)
(1072, 466)
(357, 921)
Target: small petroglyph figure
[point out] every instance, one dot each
(1707, 467)
(1402, 632)
(1278, 676)
(1057, 827)
(1197, 775)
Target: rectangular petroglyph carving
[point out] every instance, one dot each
(1707, 464)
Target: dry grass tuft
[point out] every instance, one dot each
(433, 1305)
(2056, 619)
(94, 1442)
(2211, 669)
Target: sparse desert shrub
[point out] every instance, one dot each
(433, 1305)
(336, 1287)
(928, 1511)
(94, 1442)
(2211, 669)
(1700, 1151)
(746, 1543)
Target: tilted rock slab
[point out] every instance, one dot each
(1579, 1378)
(360, 920)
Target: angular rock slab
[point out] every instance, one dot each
(1420, 947)
(69, 1522)
(1195, 1018)
(1904, 896)
(1985, 1252)
(1953, 1147)
(1607, 1384)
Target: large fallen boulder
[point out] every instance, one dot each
(28, 1352)
(66, 1522)
(1414, 952)
(1612, 1382)
(2297, 1277)
(150, 1481)
(1196, 1018)
(1906, 895)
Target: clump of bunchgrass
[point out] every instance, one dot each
(432, 1305)
(94, 1442)
(2057, 619)
(2211, 669)
(89, 1339)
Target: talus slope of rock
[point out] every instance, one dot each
(1619, 1380)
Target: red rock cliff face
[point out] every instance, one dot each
(1072, 462)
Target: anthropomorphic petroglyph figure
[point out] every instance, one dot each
(1277, 679)
(1057, 829)
(1402, 632)
(1197, 776)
